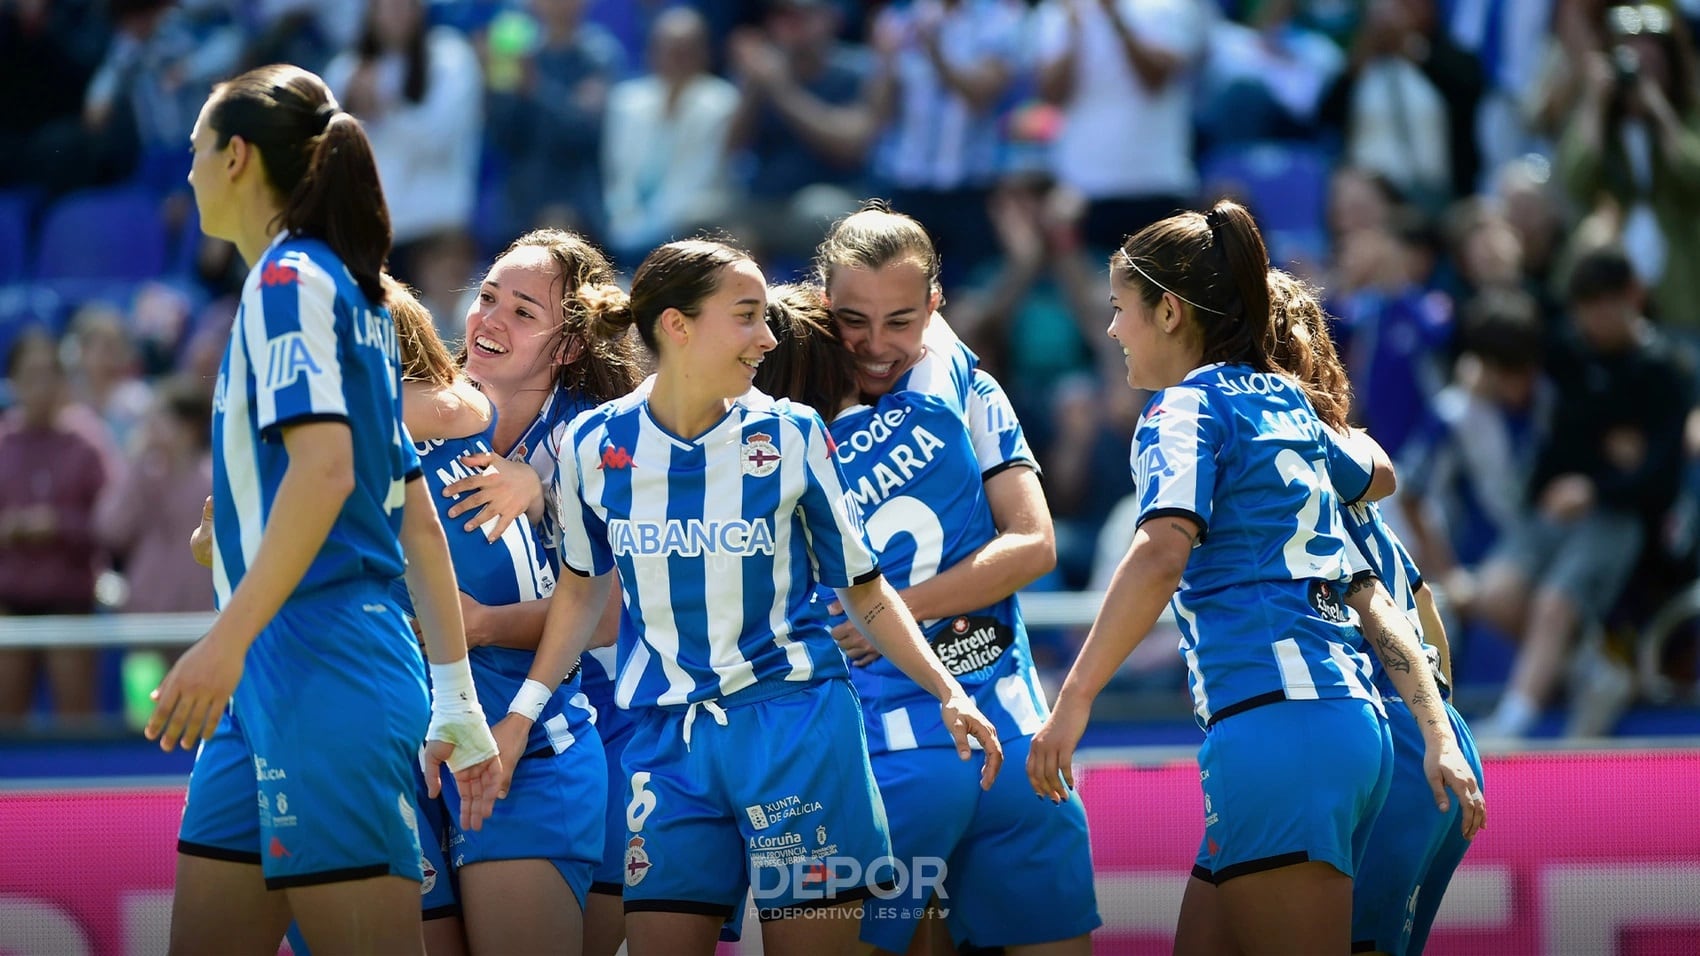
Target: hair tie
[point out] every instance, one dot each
(324, 114)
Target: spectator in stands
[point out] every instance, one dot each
(419, 92)
(943, 68)
(1406, 104)
(1633, 142)
(1523, 189)
(547, 106)
(142, 514)
(1394, 330)
(1608, 471)
(1123, 73)
(49, 50)
(664, 152)
(50, 479)
(1264, 78)
(803, 116)
(104, 373)
(1466, 472)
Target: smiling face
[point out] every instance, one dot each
(512, 328)
(882, 316)
(1146, 336)
(727, 340)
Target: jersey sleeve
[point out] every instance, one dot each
(1358, 564)
(999, 442)
(583, 543)
(832, 521)
(1174, 457)
(1350, 460)
(411, 466)
(289, 324)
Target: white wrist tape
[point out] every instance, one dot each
(452, 691)
(530, 700)
(457, 718)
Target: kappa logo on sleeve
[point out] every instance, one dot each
(276, 274)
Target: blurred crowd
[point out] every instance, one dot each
(1499, 198)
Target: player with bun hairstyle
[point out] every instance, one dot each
(1414, 849)
(723, 510)
(1237, 480)
(315, 505)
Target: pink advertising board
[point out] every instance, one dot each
(1584, 853)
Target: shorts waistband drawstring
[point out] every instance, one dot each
(714, 710)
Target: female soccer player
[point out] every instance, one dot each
(531, 349)
(1238, 513)
(960, 534)
(312, 491)
(723, 510)
(1414, 847)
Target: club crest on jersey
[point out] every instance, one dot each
(761, 458)
(637, 862)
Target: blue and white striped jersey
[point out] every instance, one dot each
(510, 570)
(918, 476)
(307, 346)
(1243, 454)
(1382, 553)
(720, 541)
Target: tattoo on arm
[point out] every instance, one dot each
(1363, 583)
(1182, 527)
(873, 612)
(1392, 657)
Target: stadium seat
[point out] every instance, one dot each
(16, 206)
(1284, 185)
(103, 234)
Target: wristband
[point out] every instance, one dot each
(530, 700)
(451, 687)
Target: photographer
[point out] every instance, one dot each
(1631, 153)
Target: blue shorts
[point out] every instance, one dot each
(1292, 782)
(614, 727)
(782, 794)
(554, 811)
(963, 843)
(312, 772)
(439, 894)
(1452, 844)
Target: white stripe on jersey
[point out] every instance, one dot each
(655, 605)
(1356, 668)
(286, 354)
(792, 476)
(723, 574)
(899, 731)
(1296, 677)
(1174, 459)
(237, 446)
(1189, 626)
(1017, 697)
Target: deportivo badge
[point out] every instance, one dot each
(760, 457)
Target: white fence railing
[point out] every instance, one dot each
(1054, 609)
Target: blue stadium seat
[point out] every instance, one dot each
(1284, 185)
(111, 234)
(16, 207)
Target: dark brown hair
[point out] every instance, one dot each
(872, 238)
(678, 275)
(809, 363)
(608, 366)
(1216, 264)
(316, 158)
(1301, 346)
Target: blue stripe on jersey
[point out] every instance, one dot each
(1388, 560)
(719, 542)
(307, 346)
(912, 469)
(510, 570)
(1244, 454)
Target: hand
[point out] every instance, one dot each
(856, 647)
(201, 539)
(755, 60)
(502, 490)
(1050, 760)
(188, 703)
(511, 732)
(1016, 220)
(964, 720)
(463, 741)
(1567, 497)
(1447, 769)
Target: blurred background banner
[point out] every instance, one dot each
(1586, 852)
